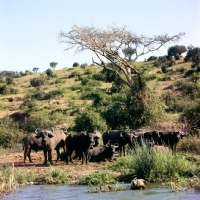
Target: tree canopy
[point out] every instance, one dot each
(176, 51)
(112, 46)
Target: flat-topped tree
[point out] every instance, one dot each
(117, 46)
(53, 64)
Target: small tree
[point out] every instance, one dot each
(193, 55)
(38, 82)
(9, 80)
(84, 65)
(176, 51)
(53, 64)
(89, 121)
(49, 73)
(76, 64)
(35, 69)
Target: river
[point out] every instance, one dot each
(61, 192)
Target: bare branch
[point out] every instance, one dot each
(110, 44)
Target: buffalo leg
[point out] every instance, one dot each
(29, 156)
(58, 155)
(45, 157)
(50, 157)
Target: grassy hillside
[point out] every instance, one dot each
(69, 102)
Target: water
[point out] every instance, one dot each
(55, 192)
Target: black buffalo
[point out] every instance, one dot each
(97, 139)
(30, 142)
(80, 142)
(51, 140)
(146, 137)
(170, 139)
(102, 153)
(121, 137)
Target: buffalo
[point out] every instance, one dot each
(80, 142)
(121, 137)
(30, 142)
(102, 153)
(151, 136)
(97, 139)
(51, 140)
(170, 139)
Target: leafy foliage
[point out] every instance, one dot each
(101, 178)
(38, 82)
(89, 121)
(10, 133)
(193, 54)
(176, 51)
(53, 64)
(76, 64)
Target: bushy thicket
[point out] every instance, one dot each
(89, 121)
(10, 133)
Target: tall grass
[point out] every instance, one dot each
(154, 167)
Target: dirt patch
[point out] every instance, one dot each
(74, 171)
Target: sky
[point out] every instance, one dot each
(29, 29)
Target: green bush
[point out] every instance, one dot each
(100, 179)
(190, 144)
(174, 103)
(10, 133)
(76, 64)
(154, 167)
(5, 89)
(74, 74)
(39, 95)
(29, 105)
(45, 121)
(54, 176)
(91, 83)
(55, 94)
(89, 121)
(165, 78)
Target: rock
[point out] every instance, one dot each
(138, 184)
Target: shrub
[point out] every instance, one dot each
(76, 64)
(190, 144)
(29, 105)
(10, 133)
(74, 74)
(101, 178)
(89, 121)
(54, 176)
(165, 78)
(175, 103)
(55, 94)
(38, 82)
(4, 90)
(39, 95)
(49, 73)
(39, 122)
(91, 83)
(153, 166)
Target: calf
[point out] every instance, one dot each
(102, 153)
(81, 142)
(51, 140)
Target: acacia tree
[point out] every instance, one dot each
(176, 51)
(111, 45)
(53, 64)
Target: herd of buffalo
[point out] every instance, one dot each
(86, 146)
